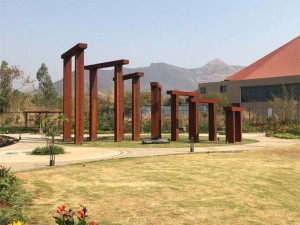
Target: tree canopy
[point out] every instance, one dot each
(47, 95)
(8, 74)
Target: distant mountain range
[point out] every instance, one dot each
(169, 76)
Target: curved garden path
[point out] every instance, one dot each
(18, 156)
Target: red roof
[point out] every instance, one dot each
(284, 61)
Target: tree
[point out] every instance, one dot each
(7, 76)
(285, 106)
(215, 95)
(47, 96)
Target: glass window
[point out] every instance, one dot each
(223, 89)
(202, 90)
(267, 92)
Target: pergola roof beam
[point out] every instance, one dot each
(107, 64)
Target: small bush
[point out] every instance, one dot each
(46, 150)
(295, 131)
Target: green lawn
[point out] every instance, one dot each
(254, 187)
(108, 141)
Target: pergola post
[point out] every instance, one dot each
(155, 110)
(93, 104)
(78, 52)
(212, 122)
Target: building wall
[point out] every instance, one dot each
(233, 90)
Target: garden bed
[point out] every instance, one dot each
(6, 141)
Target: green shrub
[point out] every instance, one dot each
(295, 131)
(249, 128)
(16, 130)
(13, 198)
(46, 150)
(287, 136)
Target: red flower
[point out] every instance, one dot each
(81, 214)
(61, 209)
(93, 223)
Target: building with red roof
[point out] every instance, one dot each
(256, 85)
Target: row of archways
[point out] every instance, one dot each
(193, 99)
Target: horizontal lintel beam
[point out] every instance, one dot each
(233, 108)
(183, 93)
(203, 100)
(44, 111)
(107, 64)
(132, 75)
(72, 51)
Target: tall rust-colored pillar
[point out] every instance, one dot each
(79, 97)
(93, 104)
(230, 126)
(238, 126)
(174, 117)
(212, 122)
(119, 107)
(193, 121)
(155, 110)
(135, 103)
(67, 99)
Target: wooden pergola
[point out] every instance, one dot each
(39, 112)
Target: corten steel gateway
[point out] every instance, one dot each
(193, 100)
(78, 52)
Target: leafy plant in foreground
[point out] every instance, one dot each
(13, 198)
(67, 216)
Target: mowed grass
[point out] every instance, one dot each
(254, 187)
(107, 141)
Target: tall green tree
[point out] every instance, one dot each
(47, 95)
(8, 74)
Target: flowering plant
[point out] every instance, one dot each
(67, 216)
(15, 223)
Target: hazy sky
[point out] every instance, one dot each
(185, 33)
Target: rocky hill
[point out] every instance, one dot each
(169, 76)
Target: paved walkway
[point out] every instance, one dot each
(18, 156)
